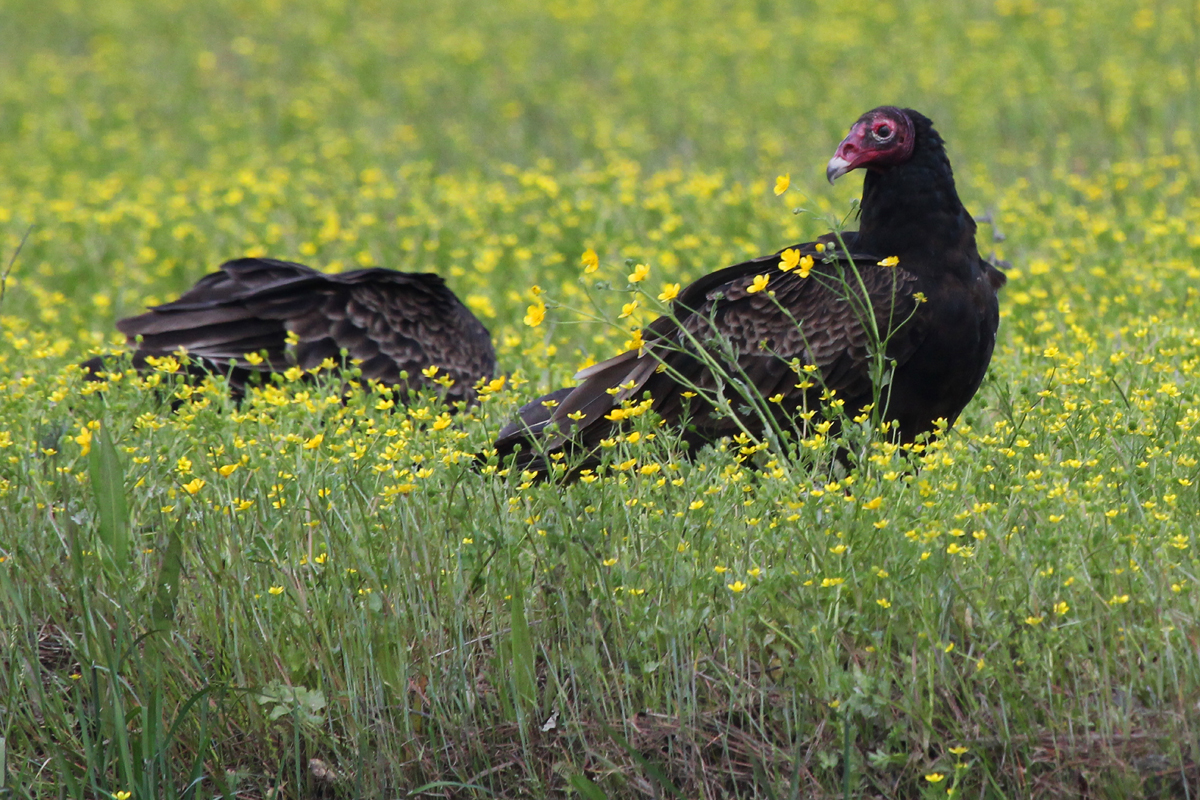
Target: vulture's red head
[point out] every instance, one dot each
(882, 137)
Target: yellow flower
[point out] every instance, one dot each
(720, 570)
(890, 261)
(935, 777)
(883, 602)
(695, 504)
(254, 359)
(193, 486)
(608, 562)
(590, 261)
(782, 183)
(314, 442)
(736, 586)
(639, 274)
(227, 470)
(958, 751)
(122, 795)
(535, 314)
(670, 292)
(276, 590)
(1061, 608)
(430, 371)
(1034, 620)
(84, 440)
(760, 283)
(628, 309)
(806, 265)
(1118, 600)
(789, 259)
(635, 341)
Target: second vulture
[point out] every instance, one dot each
(259, 315)
(918, 283)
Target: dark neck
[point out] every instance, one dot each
(913, 208)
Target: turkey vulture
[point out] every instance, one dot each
(911, 276)
(259, 315)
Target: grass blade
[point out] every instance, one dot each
(652, 770)
(523, 675)
(108, 485)
(167, 590)
(586, 788)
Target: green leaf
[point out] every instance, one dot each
(108, 484)
(166, 592)
(586, 788)
(523, 675)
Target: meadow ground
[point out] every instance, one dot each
(318, 597)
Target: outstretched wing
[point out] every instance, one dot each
(394, 323)
(831, 319)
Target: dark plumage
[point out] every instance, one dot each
(393, 322)
(938, 349)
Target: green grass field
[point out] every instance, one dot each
(304, 597)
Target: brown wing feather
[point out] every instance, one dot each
(393, 322)
(823, 319)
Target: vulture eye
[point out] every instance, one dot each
(883, 132)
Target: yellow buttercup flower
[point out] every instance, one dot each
(760, 283)
(535, 314)
(639, 274)
(590, 261)
(789, 259)
(890, 261)
(782, 183)
(84, 440)
(670, 292)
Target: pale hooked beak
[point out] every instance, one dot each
(837, 167)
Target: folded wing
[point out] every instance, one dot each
(238, 320)
(728, 348)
